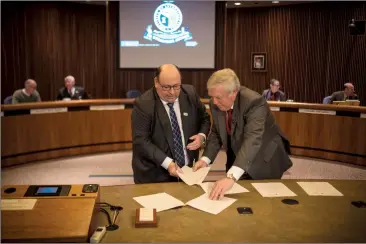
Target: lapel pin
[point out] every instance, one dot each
(185, 114)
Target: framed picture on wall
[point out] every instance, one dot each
(259, 62)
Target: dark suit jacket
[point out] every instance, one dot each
(79, 94)
(339, 96)
(279, 95)
(260, 147)
(152, 133)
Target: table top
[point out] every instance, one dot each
(314, 219)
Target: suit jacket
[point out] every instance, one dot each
(339, 96)
(260, 147)
(79, 94)
(279, 95)
(152, 133)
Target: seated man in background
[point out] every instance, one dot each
(347, 94)
(274, 93)
(70, 91)
(169, 125)
(28, 94)
(246, 127)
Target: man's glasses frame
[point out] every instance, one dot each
(175, 87)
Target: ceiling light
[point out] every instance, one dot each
(275, 1)
(237, 3)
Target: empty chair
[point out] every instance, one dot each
(133, 93)
(326, 99)
(8, 100)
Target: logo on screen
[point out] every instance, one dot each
(168, 18)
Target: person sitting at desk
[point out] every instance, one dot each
(70, 91)
(274, 93)
(347, 94)
(28, 94)
(169, 125)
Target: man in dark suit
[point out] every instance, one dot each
(274, 93)
(243, 123)
(164, 119)
(70, 91)
(347, 94)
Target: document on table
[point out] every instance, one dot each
(191, 178)
(18, 204)
(273, 189)
(319, 189)
(207, 186)
(160, 201)
(203, 203)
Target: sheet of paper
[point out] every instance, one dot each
(191, 178)
(207, 186)
(203, 203)
(160, 201)
(18, 204)
(146, 214)
(273, 189)
(319, 189)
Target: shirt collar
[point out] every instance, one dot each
(25, 92)
(165, 102)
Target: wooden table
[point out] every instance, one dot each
(314, 219)
(46, 130)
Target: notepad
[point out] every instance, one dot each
(146, 214)
(207, 187)
(203, 203)
(193, 178)
(160, 201)
(273, 189)
(319, 189)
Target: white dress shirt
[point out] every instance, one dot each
(234, 170)
(176, 107)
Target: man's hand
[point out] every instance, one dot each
(199, 164)
(173, 169)
(220, 187)
(196, 143)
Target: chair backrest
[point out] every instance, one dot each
(326, 99)
(133, 93)
(8, 100)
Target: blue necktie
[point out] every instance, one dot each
(177, 137)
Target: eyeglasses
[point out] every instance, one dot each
(176, 87)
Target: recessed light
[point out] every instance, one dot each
(275, 1)
(237, 3)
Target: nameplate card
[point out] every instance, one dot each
(207, 106)
(275, 109)
(17, 204)
(315, 111)
(48, 110)
(363, 116)
(108, 107)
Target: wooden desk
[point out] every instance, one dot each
(39, 131)
(315, 219)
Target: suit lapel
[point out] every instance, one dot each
(221, 117)
(185, 114)
(165, 122)
(235, 115)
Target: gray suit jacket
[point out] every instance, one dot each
(260, 147)
(339, 96)
(279, 96)
(152, 133)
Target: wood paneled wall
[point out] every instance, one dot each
(308, 46)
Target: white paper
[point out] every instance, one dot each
(319, 189)
(146, 214)
(160, 201)
(207, 186)
(203, 203)
(191, 178)
(273, 189)
(18, 204)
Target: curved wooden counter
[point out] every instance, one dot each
(38, 131)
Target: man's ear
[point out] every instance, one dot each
(155, 81)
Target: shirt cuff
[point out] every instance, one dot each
(166, 163)
(236, 172)
(204, 136)
(206, 159)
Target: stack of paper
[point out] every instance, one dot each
(193, 178)
(319, 189)
(203, 203)
(207, 187)
(161, 201)
(275, 189)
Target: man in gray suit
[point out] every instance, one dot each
(164, 119)
(274, 93)
(347, 94)
(245, 126)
